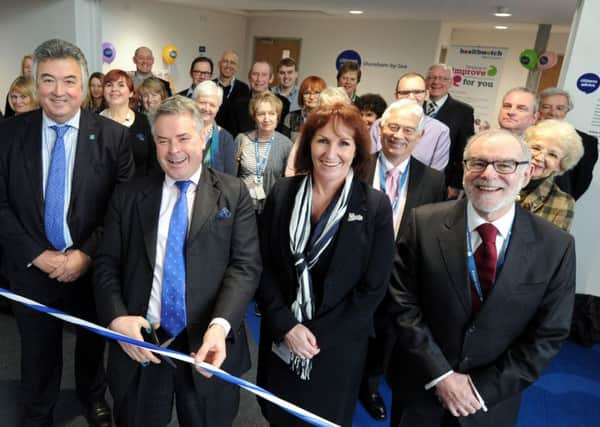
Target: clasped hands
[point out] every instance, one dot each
(64, 267)
(301, 341)
(457, 395)
(212, 351)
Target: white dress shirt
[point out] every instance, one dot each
(399, 211)
(170, 194)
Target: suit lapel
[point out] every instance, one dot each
(148, 211)
(348, 234)
(453, 245)
(86, 140)
(32, 156)
(205, 202)
(517, 259)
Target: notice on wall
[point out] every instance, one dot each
(477, 72)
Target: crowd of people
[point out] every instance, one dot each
(377, 240)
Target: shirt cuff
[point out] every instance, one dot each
(435, 382)
(477, 395)
(221, 322)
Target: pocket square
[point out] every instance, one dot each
(223, 214)
(354, 217)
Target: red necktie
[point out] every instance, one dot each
(486, 258)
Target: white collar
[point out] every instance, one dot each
(72, 122)
(194, 178)
(502, 224)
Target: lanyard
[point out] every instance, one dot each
(213, 146)
(401, 184)
(471, 260)
(262, 163)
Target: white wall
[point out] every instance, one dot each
(128, 25)
(24, 24)
(411, 43)
(513, 74)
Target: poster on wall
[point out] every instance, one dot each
(477, 72)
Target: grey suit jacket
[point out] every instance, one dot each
(519, 329)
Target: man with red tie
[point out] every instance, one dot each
(482, 295)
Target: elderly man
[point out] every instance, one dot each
(260, 77)
(434, 148)
(200, 71)
(408, 183)
(287, 76)
(555, 103)
(518, 111)
(179, 259)
(455, 114)
(58, 168)
(482, 296)
(144, 60)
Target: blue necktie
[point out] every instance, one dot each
(54, 210)
(172, 312)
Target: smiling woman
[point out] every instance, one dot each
(313, 309)
(118, 92)
(555, 148)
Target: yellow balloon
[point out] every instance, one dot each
(169, 54)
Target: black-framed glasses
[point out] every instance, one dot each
(410, 92)
(504, 167)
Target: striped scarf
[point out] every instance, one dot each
(306, 254)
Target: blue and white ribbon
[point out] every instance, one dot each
(304, 415)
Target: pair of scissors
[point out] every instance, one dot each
(154, 340)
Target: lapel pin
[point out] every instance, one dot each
(354, 217)
(92, 137)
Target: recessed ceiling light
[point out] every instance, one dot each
(356, 12)
(501, 27)
(502, 12)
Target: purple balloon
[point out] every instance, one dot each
(108, 52)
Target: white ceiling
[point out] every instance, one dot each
(555, 12)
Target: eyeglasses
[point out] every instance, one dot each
(438, 78)
(410, 92)
(504, 167)
(405, 130)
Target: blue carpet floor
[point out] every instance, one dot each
(566, 395)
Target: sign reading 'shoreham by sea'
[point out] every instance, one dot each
(477, 71)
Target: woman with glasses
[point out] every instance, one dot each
(308, 100)
(555, 148)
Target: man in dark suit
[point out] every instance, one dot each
(58, 168)
(555, 103)
(408, 183)
(455, 114)
(192, 290)
(483, 293)
(260, 77)
(233, 88)
(200, 71)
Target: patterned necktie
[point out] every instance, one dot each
(172, 311)
(430, 107)
(54, 203)
(486, 258)
(391, 183)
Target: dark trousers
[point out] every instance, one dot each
(149, 401)
(427, 412)
(42, 358)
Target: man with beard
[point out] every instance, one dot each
(482, 295)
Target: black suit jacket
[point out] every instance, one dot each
(103, 158)
(520, 327)
(222, 266)
(458, 116)
(577, 180)
(425, 185)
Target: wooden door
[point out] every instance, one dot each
(273, 50)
